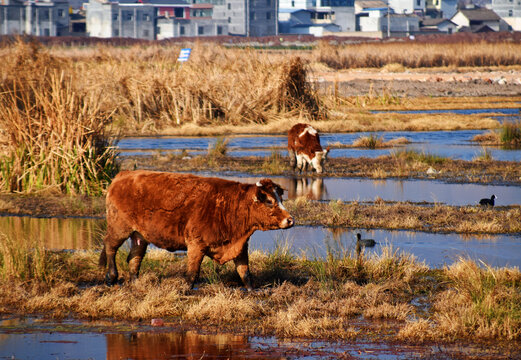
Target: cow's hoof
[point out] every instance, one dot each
(110, 280)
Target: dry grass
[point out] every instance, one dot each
(53, 132)
(466, 219)
(374, 142)
(318, 298)
(479, 302)
(418, 55)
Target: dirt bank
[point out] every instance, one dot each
(422, 83)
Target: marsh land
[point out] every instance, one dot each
(58, 137)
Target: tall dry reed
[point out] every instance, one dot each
(53, 133)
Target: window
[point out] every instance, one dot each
(129, 17)
(510, 13)
(60, 12)
(182, 30)
(46, 32)
(229, 6)
(200, 30)
(268, 15)
(418, 2)
(252, 16)
(145, 33)
(146, 17)
(158, 30)
(292, 3)
(219, 30)
(115, 17)
(229, 20)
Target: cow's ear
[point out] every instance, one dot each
(280, 191)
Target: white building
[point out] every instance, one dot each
(509, 11)
(323, 13)
(408, 6)
(477, 18)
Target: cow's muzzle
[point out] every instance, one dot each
(287, 223)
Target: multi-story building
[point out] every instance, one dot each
(443, 8)
(160, 19)
(126, 18)
(323, 12)
(40, 18)
(509, 11)
(246, 17)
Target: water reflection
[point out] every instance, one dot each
(188, 345)
(350, 189)
(435, 249)
(53, 233)
(310, 188)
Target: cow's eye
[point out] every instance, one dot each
(270, 202)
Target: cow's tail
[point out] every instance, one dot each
(103, 258)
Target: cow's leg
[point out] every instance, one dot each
(292, 158)
(136, 254)
(300, 162)
(112, 244)
(241, 264)
(195, 258)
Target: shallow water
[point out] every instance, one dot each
(513, 111)
(349, 189)
(450, 144)
(433, 248)
(32, 338)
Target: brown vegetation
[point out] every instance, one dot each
(298, 297)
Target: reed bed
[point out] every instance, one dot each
(53, 134)
(418, 55)
(304, 298)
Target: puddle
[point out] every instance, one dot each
(63, 340)
(433, 248)
(349, 189)
(451, 144)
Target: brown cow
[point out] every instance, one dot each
(304, 148)
(205, 216)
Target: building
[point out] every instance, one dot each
(39, 18)
(509, 11)
(369, 15)
(329, 15)
(161, 19)
(478, 19)
(245, 17)
(126, 18)
(442, 8)
(438, 25)
(408, 6)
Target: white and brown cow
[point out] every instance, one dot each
(205, 216)
(304, 148)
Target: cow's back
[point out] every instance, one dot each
(166, 208)
(302, 138)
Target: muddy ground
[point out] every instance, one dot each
(422, 83)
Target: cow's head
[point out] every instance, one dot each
(268, 210)
(319, 159)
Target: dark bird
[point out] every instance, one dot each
(364, 242)
(487, 202)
